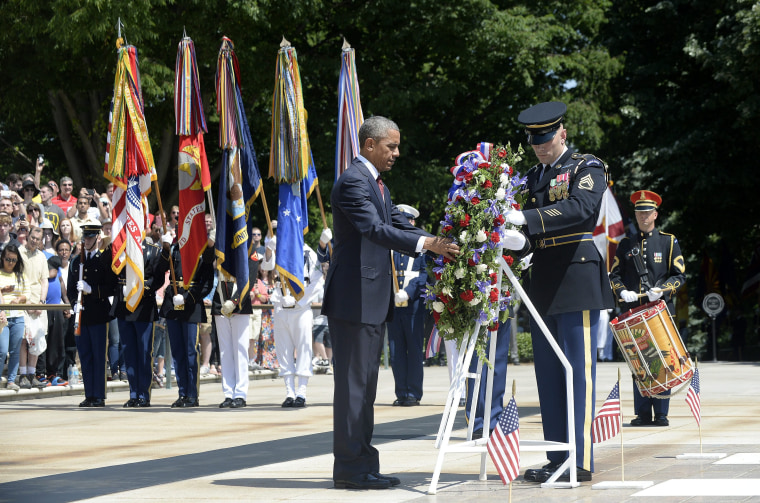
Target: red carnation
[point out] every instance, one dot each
(494, 295)
(447, 228)
(484, 165)
(496, 221)
(471, 262)
(487, 184)
(495, 237)
(465, 221)
(467, 296)
(509, 260)
(510, 171)
(459, 198)
(516, 206)
(444, 298)
(436, 316)
(502, 153)
(438, 276)
(475, 200)
(468, 177)
(494, 278)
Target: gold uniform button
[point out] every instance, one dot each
(533, 200)
(583, 259)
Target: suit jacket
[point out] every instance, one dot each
(359, 286)
(564, 203)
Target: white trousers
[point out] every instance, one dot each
(292, 337)
(232, 333)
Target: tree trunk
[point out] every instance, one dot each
(67, 144)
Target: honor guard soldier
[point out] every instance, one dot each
(136, 327)
(648, 268)
(89, 287)
(406, 330)
(183, 312)
(568, 283)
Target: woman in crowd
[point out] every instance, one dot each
(68, 232)
(13, 290)
(33, 213)
(266, 355)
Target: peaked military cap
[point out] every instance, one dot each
(645, 200)
(91, 229)
(542, 121)
(408, 211)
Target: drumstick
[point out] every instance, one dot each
(655, 290)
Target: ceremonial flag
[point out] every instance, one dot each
(193, 171)
(609, 229)
(434, 343)
(692, 397)
(606, 424)
(350, 116)
(504, 443)
(130, 167)
(240, 182)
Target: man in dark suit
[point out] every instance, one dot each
(568, 283)
(359, 297)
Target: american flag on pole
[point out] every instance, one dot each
(692, 397)
(606, 424)
(504, 444)
(434, 343)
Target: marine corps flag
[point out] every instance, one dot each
(129, 165)
(240, 182)
(193, 172)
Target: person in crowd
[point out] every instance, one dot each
(33, 214)
(81, 216)
(257, 247)
(54, 187)
(232, 317)
(29, 192)
(183, 310)
(50, 211)
(259, 295)
(49, 236)
(63, 250)
(13, 290)
(322, 344)
(65, 200)
(6, 237)
(96, 287)
(209, 340)
(66, 231)
(14, 182)
(135, 324)
(406, 329)
(55, 354)
(6, 204)
(359, 297)
(568, 283)
(660, 273)
(266, 352)
(22, 232)
(35, 321)
(18, 213)
(173, 221)
(293, 321)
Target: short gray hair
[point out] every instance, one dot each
(376, 127)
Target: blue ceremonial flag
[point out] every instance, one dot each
(292, 224)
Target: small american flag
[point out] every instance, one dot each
(692, 397)
(434, 343)
(606, 424)
(504, 444)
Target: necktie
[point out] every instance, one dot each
(382, 187)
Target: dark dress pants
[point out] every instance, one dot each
(91, 344)
(137, 343)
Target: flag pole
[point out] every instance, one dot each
(322, 211)
(699, 423)
(163, 223)
(514, 390)
(622, 458)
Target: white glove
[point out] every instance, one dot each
(326, 237)
(272, 244)
(124, 290)
(527, 261)
(77, 308)
(513, 240)
(228, 307)
(178, 300)
(654, 295)
(401, 297)
(84, 287)
(274, 224)
(629, 296)
(515, 217)
(288, 301)
(167, 238)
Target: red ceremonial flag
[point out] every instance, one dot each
(692, 397)
(194, 177)
(606, 424)
(504, 443)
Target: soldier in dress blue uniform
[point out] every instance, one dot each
(136, 328)
(96, 286)
(406, 329)
(183, 313)
(568, 283)
(660, 274)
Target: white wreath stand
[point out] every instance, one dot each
(456, 391)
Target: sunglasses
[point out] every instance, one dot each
(255, 234)
(10, 260)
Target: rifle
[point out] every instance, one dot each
(78, 314)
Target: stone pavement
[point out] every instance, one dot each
(54, 451)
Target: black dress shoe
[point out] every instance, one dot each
(363, 481)
(661, 421)
(532, 474)
(581, 474)
(411, 401)
(87, 402)
(132, 402)
(393, 480)
(299, 402)
(238, 403)
(179, 402)
(98, 402)
(399, 402)
(142, 402)
(226, 404)
(477, 434)
(289, 401)
(190, 402)
(641, 421)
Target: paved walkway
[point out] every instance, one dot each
(54, 451)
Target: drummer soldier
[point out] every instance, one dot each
(647, 269)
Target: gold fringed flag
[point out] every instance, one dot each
(193, 172)
(129, 165)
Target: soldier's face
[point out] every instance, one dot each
(646, 220)
(548, 152)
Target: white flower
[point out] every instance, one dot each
(459, 273)
(481, 236)
(475, 301)
(438, 306)
(503, 179)
(449, 330)
(481, 268)
(463, 236)
(501, 193)
(446, 291)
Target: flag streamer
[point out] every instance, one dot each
(130, 167)
(350, 116)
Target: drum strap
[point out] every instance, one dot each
(641, 268)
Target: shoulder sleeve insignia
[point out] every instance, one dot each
(587, 182)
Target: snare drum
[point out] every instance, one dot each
(653, 348)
